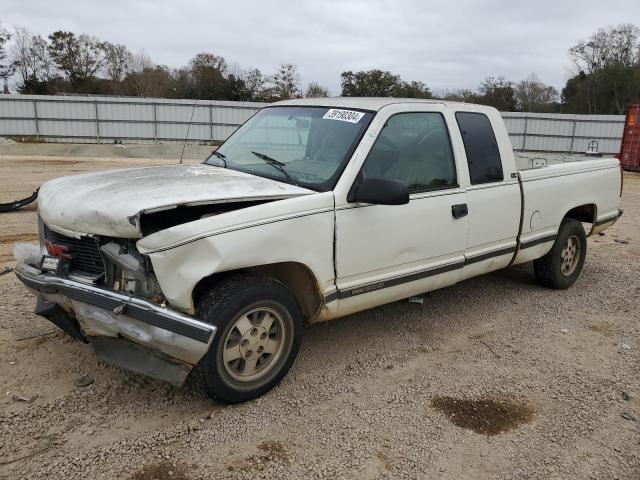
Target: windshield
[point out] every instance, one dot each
(306, 146)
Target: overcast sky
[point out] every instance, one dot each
(445, 43)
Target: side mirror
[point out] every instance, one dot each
(380, 191)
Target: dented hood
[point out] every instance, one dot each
(110, 203)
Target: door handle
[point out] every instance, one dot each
(460, 210)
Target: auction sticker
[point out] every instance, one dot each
(343, 115)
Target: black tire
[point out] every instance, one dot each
(550, 270)
(223, 306)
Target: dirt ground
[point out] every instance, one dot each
(492, 378)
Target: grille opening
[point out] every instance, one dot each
(84, 251)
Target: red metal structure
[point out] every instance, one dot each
(630, 149)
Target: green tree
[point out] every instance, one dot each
(80, 58)
(235, 88)
(608, 72)
(606, 91)
(497, 92)
(379, 83)
(412, 90)
(371, 83)
(207, 76)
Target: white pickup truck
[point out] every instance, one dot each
(312, 210)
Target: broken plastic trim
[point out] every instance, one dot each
(130, 262)
(15, 205)
(139, 359)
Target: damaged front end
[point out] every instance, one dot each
(108, 296)
(99, 288)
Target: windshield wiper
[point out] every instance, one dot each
(221, 156)
(278, 165)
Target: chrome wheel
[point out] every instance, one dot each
(254, 344)
(570, 256)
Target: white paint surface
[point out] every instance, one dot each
(106, 203)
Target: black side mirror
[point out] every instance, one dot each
(380, 191)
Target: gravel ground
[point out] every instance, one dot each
(549, 379)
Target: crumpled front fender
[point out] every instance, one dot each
(179, 269)
(296, 230)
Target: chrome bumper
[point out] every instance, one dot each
(165, 334)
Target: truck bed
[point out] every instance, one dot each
(531, 160)
(553, 185)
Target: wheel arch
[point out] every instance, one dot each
(296, 276)
(586, 213)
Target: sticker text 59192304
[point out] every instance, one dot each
(350, 116)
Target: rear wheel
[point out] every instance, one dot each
(258, 337)
(561, 267)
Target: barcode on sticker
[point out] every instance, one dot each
(343, 115)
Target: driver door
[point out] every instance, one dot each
(387, 253)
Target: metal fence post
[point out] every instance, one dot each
(95, 104)
(524, 139)
(573, 136)
(35, 117)
(155, 123)
(210, 123)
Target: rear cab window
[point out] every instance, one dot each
(481, 147)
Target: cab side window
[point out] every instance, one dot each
(483, 155)
(414, 148)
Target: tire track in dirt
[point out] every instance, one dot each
(18, 237)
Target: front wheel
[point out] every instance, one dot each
(258, 337)
(561, 267)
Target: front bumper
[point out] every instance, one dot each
(124, 330)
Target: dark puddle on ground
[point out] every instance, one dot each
(486, 416)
